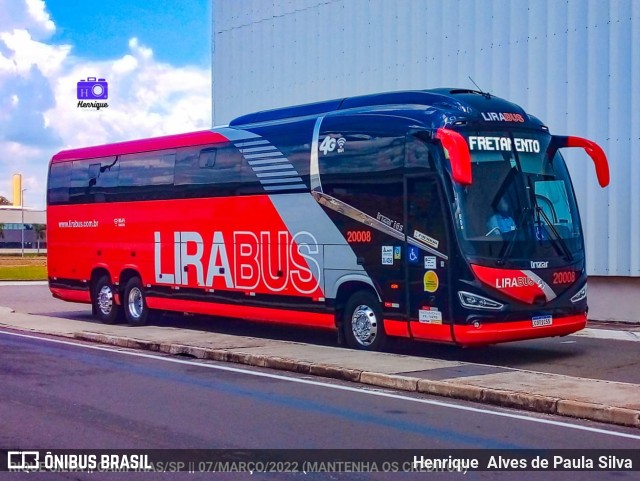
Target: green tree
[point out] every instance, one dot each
(40, 231)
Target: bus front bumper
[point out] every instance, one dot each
(493, 333)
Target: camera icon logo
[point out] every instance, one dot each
(92, 89)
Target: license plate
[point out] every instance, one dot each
(540, 321)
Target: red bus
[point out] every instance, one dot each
(445, 215)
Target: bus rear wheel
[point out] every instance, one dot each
(103, 301)
(134, 302)
(362, 322)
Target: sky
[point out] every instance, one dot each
(154, 56)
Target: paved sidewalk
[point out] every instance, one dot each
(604, 401)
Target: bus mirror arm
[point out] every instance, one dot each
(459, 155)
(592, 149)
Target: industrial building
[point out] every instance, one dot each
(571, 63)
(21, 226)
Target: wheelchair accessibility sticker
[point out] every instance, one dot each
(413, 255)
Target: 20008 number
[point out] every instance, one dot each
(358, 236)
(564, 277)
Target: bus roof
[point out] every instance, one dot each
(453, 101)
(444, 105)
(143, 145)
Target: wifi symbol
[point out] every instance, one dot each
(341, 141)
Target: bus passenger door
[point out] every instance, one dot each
(426, 259)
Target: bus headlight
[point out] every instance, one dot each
(474, 301)
(582, 293)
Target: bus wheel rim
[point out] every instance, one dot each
(135, 302)
(364, 325)
(105, 300)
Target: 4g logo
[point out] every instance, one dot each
(329, 144)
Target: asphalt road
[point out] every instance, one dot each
(67, 395)
(574, 356)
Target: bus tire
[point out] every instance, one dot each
(134, 302)
(362, 322)
(103, 304)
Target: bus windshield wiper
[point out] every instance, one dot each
(556, 234)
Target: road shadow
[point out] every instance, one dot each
(518, 354)
(571, 356)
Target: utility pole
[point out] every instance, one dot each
(22, 209)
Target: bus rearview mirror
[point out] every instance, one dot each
(459, 156)
(593, 150)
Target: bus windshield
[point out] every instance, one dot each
(520, 205)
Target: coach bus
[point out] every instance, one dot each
(444, 215)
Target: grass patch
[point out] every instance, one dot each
(23, 273)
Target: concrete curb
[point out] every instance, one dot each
(499, 397)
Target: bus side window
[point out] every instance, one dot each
(207, 158)
(367, 175)
(80, 186)
(417, 154)
(106, 183)
(199, 167)
(90, 177)
(146, 176)
(94, 172)
(59, 179)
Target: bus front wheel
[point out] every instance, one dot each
(362, 322)
(103, 301)
(135, 303)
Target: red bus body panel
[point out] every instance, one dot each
(264, 314)
(118, 236)
(71, 295)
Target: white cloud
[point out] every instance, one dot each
(125, 64)
(140, 50)
(26, 53)
(38, 105)
(31, 14)
(36, 9)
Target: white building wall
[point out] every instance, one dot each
(574, 63)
